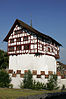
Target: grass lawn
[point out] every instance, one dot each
(6, 93)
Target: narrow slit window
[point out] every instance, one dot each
(48, 49)
(42, 47)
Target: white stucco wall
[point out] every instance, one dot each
(17, 80)
(30, 61)
(61, 82)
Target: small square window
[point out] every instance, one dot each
(18, 39)
(12, 41)
(26, 47)
(18, 47)
(25, 38)
(11, 48)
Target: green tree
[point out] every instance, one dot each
(27, 82)
(4, 60)
(52, 82)
(4, 79)
(38, 85)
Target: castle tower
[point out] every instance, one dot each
(29, 49)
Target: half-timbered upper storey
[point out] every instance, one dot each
(23, 39)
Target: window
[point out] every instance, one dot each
(18, 39)
(48, 49)
(18, 47)
(26, 47)
(18, 31)
(11, 48)
(12, 41)
(42, 47)
(25, 38)
(52, 49)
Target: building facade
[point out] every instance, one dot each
(29, 49)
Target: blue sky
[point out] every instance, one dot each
(48, 16)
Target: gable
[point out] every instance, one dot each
(29, 28)
(20, 31)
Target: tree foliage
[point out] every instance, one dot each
(27, 82)
(38, 85)
(4, 79)
(52, 82)
(4, 60)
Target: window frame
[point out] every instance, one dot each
(11, 40)
(18, 47)
(11, 50)
(18, 31)
(25, 38)
(48, 49)
(42, 47)
(18, 39)
(28, 47)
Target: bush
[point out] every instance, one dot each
(4, 79)
(4, 59)
(10, 85)
(52, 82)
(30, 84)
(38, 85)
(27, 82)
(63, 87)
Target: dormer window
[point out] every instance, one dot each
(12, 41)
(25, 38)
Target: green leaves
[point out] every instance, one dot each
(4, 79)
(52, 82)
(4, 60)
(27, 82)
